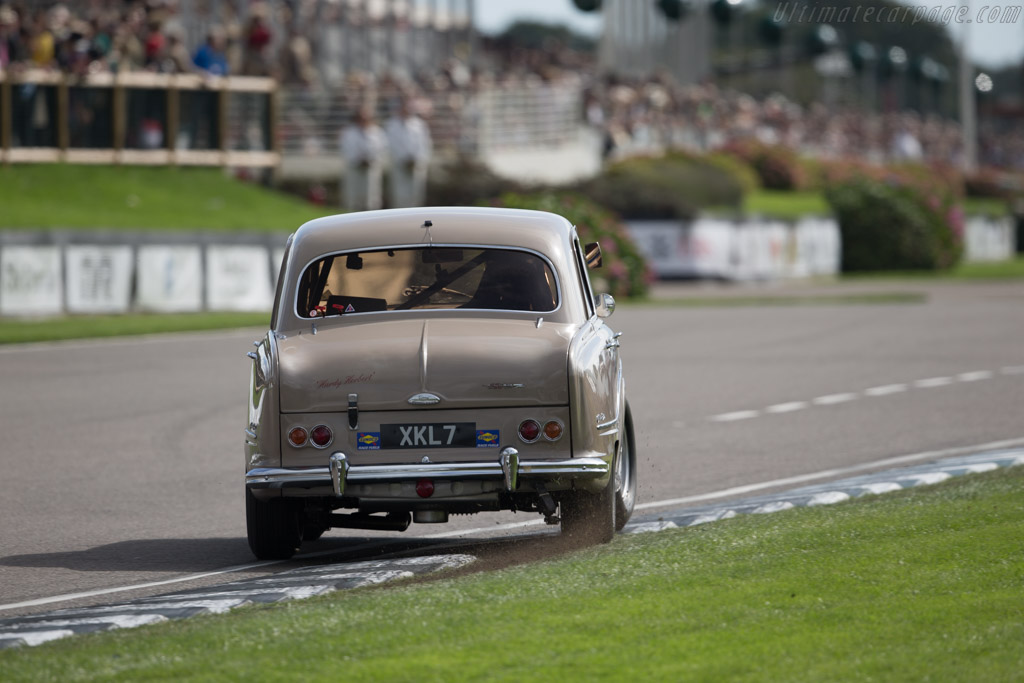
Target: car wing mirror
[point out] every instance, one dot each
(593, 254)
(604, 304)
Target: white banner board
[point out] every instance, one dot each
(238, 278)
(99, 278)
(739, 250)
(169, 278)
(30, 281)
(989, 239)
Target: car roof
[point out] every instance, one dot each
(548, 233)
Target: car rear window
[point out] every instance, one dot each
(427, 278)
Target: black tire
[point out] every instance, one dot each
(274, 527)
(625, 475)
(589, 518)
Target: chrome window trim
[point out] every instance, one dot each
(419, 311)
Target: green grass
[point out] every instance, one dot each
(788, 206)
(96, 326)
(126, 197)
(791, 206)
(999, 270)
(919, 585)
(787, 300)
(982, 206)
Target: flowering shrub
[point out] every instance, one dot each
(777, 167)
(624, 271)
(897, 224)
(675, 185)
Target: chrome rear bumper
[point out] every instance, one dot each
(507, 467)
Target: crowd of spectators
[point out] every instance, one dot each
(265, 39)
(643, 117)
(143, 35)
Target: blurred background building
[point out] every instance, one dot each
(137, 76)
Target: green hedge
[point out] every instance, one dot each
(624, 272)
(667, 187)
(895, 226)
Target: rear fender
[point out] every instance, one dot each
(262, 434)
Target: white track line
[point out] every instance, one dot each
(790, 407)
(834, 399)
(885, 390)
(837, 472)
(873, 392)
(738, 415)
(974, 376)
(932, 382)
(723, 493)
(136, 586)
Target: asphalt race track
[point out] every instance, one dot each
(123, 459)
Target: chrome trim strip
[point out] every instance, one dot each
(280, 477)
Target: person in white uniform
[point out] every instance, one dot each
(363, 149)
(410, 147)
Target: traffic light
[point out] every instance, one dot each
(674, 10)
(587, 5)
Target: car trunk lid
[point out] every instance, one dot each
(469, 362)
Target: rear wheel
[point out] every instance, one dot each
(625, 476)
(274, 527)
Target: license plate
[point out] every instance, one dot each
(429, 435)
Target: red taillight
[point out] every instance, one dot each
(553, 430)
(529, 430)
(424, 488)
(297, 436)
(321, 436)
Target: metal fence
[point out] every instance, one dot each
(462, 122)
(137, 118)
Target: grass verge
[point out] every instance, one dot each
(999, 270)
(788, 206)
(919, 585)
(726, 301)
(140, 198)
(97, 326)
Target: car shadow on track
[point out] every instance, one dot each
(209, 554)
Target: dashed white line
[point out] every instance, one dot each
(974, 376)
(873, 392)
(738, 415)
(933, 382)
(790, 407)
(885, 390)
(833, 399)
